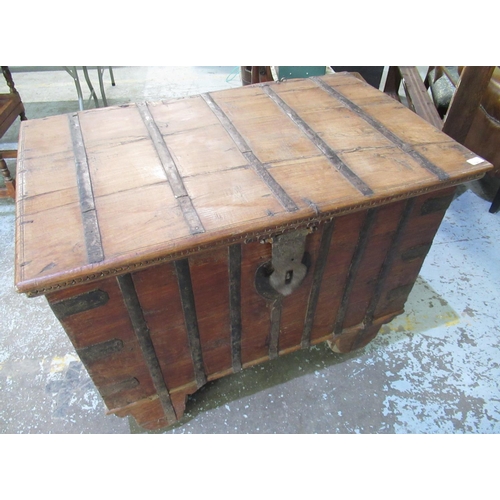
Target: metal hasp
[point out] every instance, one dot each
(288, 269)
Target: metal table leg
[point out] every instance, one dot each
(111, 75)
(73, 72)
(89, 83)
(100, 71)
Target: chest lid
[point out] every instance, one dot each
(105, 191)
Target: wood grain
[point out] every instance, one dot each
(294, 311)
(210, 281)
(141, 330)
(465, 101)
(190, 195)
(274, 172)
(343, 244)
(158, 292)
(255, 309)
(101, 324)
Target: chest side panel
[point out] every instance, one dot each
(97, 322)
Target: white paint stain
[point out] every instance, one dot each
(59, 364)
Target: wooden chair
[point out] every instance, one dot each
(11, 107)
(255, 74)
(460, 119)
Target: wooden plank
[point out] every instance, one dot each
(465, 101)
(262, 171)
(190, 318)
(173, 176)
(158, 292)
(255, 312)
(310, 181)
(175, 116)
(393, 82)
(39, 191)
(251, 158)
(330, 154)
(120, 152)
(198, 151)
(140, 218)
(353, 269)
(418, 96)
(126, 284)
(341, 251)
(56, 250)
(143, 223)
(295, 305)
(270, 134)
(231, 198)
(401, 275)
(168, 163)
(364, 149)
(388, 261)
(380, 127)
(209, 278)
(226, 123)
(453, 157)
(319, 269)
(378, 246)
(399, 169)
(8, 153)
(106, 343)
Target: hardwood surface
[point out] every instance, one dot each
(253, 172)
(152, 229)
(186, 327)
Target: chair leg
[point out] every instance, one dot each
(111, 75)
(91, 88)
(10, 183)
(495, 206)
(393, 82)
(73, 72)
(101, 85)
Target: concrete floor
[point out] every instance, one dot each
(434, 369)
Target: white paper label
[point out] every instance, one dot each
(476, 160)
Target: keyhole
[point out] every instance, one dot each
(288, 277)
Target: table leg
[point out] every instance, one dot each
(10, 183)
(495, 206)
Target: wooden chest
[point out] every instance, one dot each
(181, 241)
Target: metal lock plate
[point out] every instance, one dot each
(288, 267)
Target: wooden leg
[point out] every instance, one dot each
(149, 413)
(393, 82)
(353, 338)
(179, 403)
(10, 183)
(495, 206)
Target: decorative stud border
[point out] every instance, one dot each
(309, 222)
